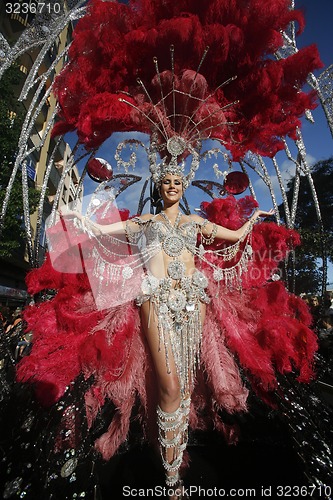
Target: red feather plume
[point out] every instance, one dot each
(115, 43)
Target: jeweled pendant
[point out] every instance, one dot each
(177, 301)
(176, 269)
(173, 245)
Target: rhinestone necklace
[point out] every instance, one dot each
(166, 218)
(174, 243)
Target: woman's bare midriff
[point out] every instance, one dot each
(158, 265)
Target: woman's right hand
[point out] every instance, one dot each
(64, 211)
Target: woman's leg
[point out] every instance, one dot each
(167, 383)
(173, 408)
(168, 396)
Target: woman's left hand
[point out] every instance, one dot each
(263, 213)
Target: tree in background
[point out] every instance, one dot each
(11, 119)
(308, 275)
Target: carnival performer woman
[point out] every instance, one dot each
(173, 304)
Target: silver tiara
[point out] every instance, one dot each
(176, 146)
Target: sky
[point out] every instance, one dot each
(318, 30)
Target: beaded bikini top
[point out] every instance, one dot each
(172, 238)
(119, 266)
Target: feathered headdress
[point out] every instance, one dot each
(121, 76)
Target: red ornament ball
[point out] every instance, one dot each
(236, 183)
(99, 170)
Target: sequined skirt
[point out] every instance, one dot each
(176, 305)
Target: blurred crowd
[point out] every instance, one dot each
(15, 342)
(322, 314)
(9, 318)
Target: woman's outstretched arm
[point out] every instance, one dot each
(120, 227)
(231, 235)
